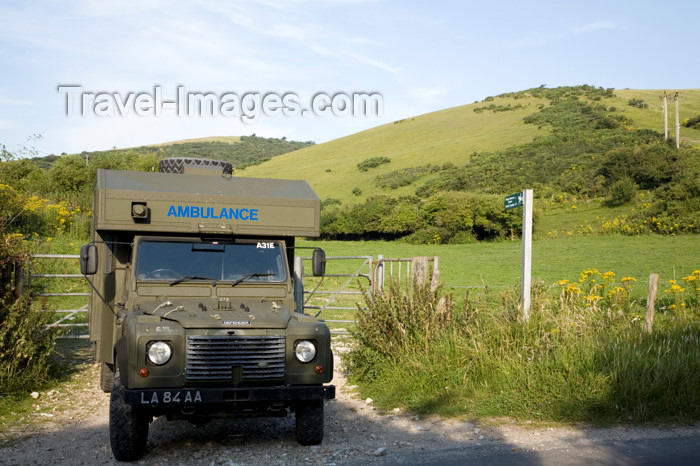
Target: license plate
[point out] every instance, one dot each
(170, 397)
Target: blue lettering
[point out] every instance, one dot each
(241, 213)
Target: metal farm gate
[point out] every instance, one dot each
(53, 278)
(50, 278)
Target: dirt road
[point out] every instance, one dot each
(70, 426)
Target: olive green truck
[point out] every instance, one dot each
(196, 312)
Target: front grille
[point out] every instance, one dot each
(215, 357)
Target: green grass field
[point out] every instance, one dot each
(498, 263)
(495, 264)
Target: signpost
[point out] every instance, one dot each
(513, 201)
(525, 200)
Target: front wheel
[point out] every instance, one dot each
(128, 425)
(309, 417)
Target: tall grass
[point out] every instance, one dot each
(575, 360)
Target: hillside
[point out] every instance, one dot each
(449, 136)
(596, 159)
(240, 151)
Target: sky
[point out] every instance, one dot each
(93, 75)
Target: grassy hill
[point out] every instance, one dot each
(240, 151)
(226, 139)
(447, 136)
(595, 157)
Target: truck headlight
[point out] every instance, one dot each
(305, 351)
(159, 352)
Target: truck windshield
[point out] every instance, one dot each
(260, 261)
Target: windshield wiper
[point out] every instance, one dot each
(250, 275)
(187, 278)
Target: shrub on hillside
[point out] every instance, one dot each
(692, 122)
(649, 165)
(639, 103)
(401, 177)
(622, 192)
(372, 163)
(330, 201)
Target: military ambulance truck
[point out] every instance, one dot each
(196, 312)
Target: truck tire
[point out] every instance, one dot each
(309, 428)
(177, 165)
(106, 376)
(128, 426)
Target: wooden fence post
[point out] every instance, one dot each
(436, 275)
(420, 270)
(651, 298)
(19, 279)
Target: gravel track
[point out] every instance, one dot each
(70, 426)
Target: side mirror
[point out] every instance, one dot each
(318, 263)
(88, 259)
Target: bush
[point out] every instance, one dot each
(622, 192)
(639, 103)
(25, 347)
(692, 122)
(401, 177)
(397, 323)
(442, 218)
(372, 163)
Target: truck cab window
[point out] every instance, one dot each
(170, 260)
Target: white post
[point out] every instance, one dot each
(678, 124)
(527, 253)
(665, 118)
(379, 285)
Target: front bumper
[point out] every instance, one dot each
(161, 397)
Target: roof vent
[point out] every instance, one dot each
(188, 166)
